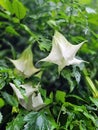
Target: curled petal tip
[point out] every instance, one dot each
(84, 42)
(25, 63)
(63, 52)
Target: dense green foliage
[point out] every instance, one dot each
(71, 96)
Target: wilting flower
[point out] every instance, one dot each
(25, 63)
(34, 100)
(63, 52)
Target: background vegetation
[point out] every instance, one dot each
(71, 97)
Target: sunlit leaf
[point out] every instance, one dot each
(19, 9)
(84, 1)
(6, 4)
(60, 96)
(11, 30)
(36, 121)
(94, 100)
(2, 103)
(91, 86)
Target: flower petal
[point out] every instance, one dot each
(37, 102)
(63, 52)
(33, 102)
(24, 63)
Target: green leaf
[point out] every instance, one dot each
(50, 117)
(82, 125)
(96, 122)
(17, 123)
(84, 1)
(44, 45)
(19, 9)
(10, 99)
(76, 97)
(1, 117)
(95, 101)
(89, 116)
(60, 96)
(67, 75)
(77, 75)
(11, 30)
(6, 4)
(93, 19)
(85, 112)
(15, 20)
(69, 120)
(2, 83)
(3, 15)
(36, 121)
(92, 86)
(28, 30)
(2, 103)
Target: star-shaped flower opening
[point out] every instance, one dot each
(29, 99)
(63, 52)
(25, 63)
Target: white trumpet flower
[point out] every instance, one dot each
(63, 52)
(25, 63)
(34, 100)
